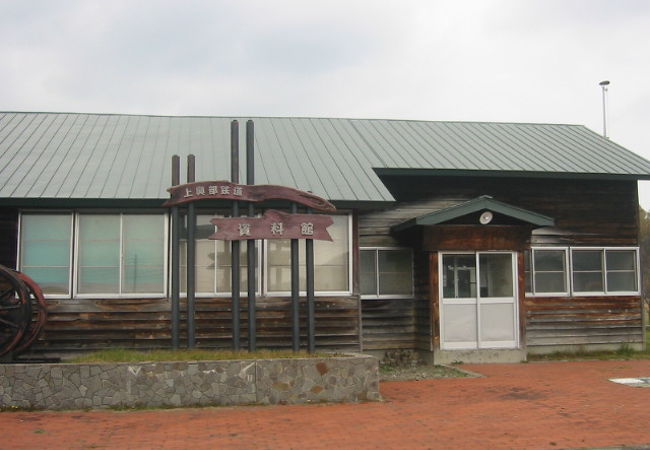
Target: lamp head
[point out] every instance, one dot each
(604, 83)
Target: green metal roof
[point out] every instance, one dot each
(481, 203)
(111, 157)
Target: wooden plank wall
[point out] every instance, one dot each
(89, 324)
(587, 212)
(577, 321)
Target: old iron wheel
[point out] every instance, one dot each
(15, 310)
(39, 313)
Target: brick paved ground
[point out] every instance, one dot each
(537, 405)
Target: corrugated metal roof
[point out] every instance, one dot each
(104, 156)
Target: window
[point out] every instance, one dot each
(331, 261)
(386, 272)
(121, 254)
(45, 243)
(114, 254)
(546, 271)
(592, 271)
(213, 261)
(608, 270)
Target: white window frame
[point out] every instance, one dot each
(570, 272)
(606, 292)
(567, 273)
(226, 294)
(121, 213)
(378, 296)
(346, 293)
(70, 252)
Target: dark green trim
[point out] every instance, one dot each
(507, 174)
(478, 204)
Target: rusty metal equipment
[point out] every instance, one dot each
(23, 311)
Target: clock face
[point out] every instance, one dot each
(486, 218)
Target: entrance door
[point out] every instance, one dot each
(478, 300)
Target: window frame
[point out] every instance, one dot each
(568, 271)
(379, 296)
(606, 292)
(569, 251)
(165, 282)
(71, 260)
(264, 273)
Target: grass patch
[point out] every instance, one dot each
(623, 353)
(417, 372)
(122, 355)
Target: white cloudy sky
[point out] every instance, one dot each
(482, 60)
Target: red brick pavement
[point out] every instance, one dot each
(536, 405)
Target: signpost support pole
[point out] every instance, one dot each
(250, 244)
(295, 291)
(311, 322)
(191, 256)
(175, 256)
(235, 253)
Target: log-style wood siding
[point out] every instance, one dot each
(578, 321)
(587, 212)
(91, 324)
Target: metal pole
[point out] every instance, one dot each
(603, 85)
(311, 321)
(191, 257)
(250, 244)
(235, 253)
(295, 291)
(175, 257)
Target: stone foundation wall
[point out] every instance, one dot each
(196, 383)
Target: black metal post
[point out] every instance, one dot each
(175, 257)
(311, 309)
(191, 256)
(235, 249)
(295, 290)
(250, 244)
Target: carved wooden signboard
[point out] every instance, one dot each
(273, 225)
(225, 190)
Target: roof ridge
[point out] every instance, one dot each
(244, 116)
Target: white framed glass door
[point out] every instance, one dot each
(478, 300)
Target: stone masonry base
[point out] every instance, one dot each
(195, 383)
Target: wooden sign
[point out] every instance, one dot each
(273, 225)
(225, 190)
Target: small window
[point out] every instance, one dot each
(548, 268)
(45, 243)
(386, 272)
(609, 270)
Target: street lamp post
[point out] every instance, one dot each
(603, 85)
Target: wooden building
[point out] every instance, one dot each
(464, 241)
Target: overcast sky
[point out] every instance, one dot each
(482, 60)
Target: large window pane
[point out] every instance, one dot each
(459, 276)
(549, 271)
(496, 275)
(99, 254)
(142, 253)
(621, 270)
(45, 250)
(330, 261)
(587, 270)
(368, 272)
(395, 272)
